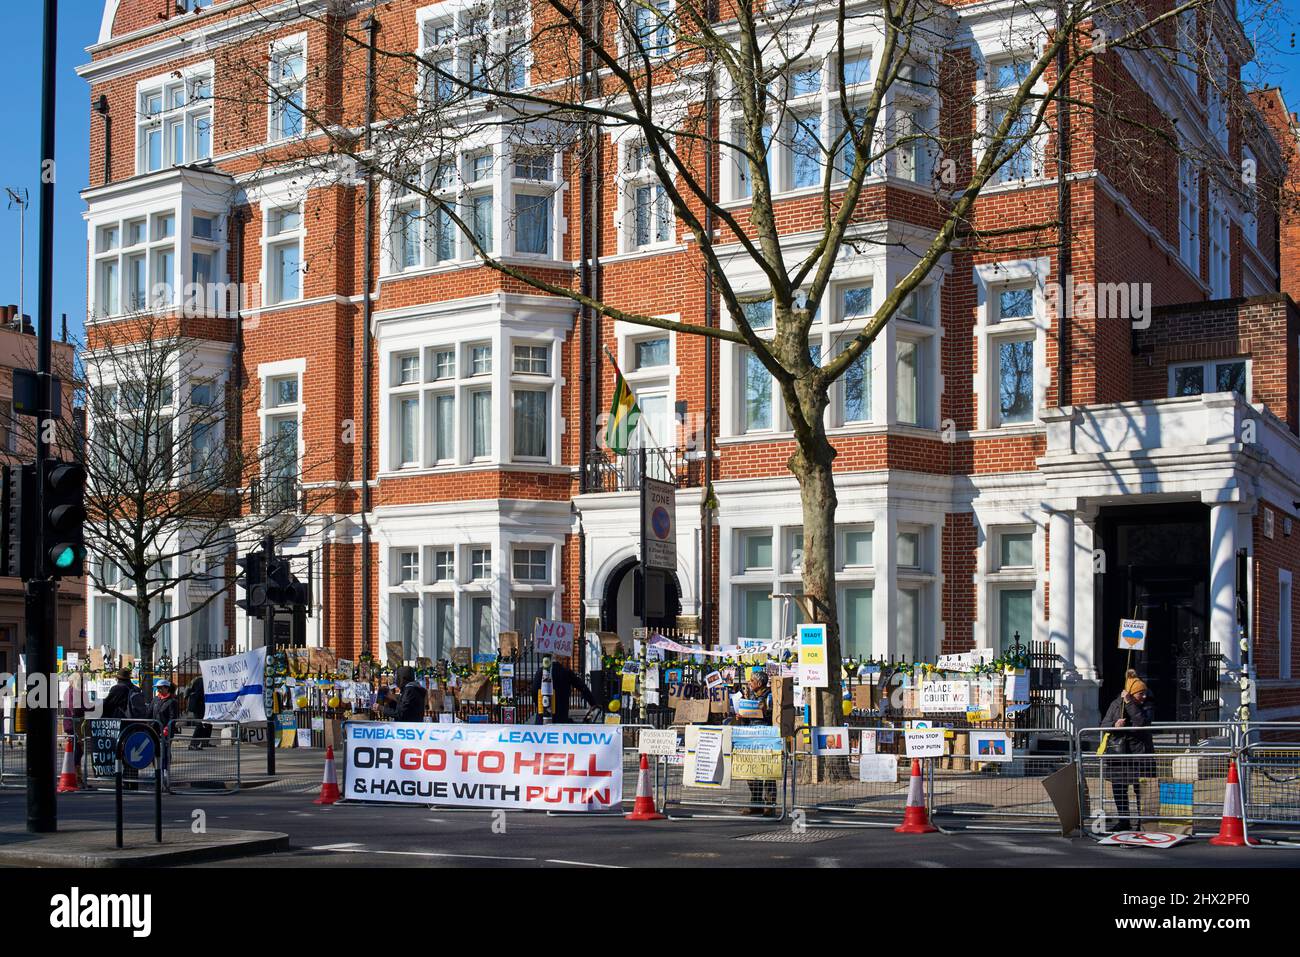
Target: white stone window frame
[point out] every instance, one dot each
(631, 53)
(267, 372)
(399, 556)
(651, 379)
(921, 106)
(923, 578)
(549, 383)
(1219, 243)
(188, 113)
(276, 88)
(990, 280)
(1189, 215)
(825, 102)
(990, 578)
(629, 181)
(990, 98)
(777, 579)
(1209, 376)
(270, 242)
(1217, 80)
(1250, 196)
(509, 32)
(150, 249)
(550, 188)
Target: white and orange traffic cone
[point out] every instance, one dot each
(644, 808)
(1232, 828)
(916, 819)
(329, 788)
(68, 776)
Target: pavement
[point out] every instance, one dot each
(91, 844)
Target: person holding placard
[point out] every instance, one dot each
(1133, 709)
(756, 708)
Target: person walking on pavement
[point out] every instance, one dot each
(1128, 713)
(563, 681)
(411, 699)
(76, 702)
(762, 794)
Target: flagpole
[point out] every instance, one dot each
(641, 420)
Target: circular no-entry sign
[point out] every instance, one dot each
(1144, 839)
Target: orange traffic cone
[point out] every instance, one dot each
(1232, 829)
(68, 776)
(644, 808)
(916, 819)
(329, 788)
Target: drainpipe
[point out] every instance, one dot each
(371, 26)
(101, 107)
(1063, 385)
(706, 502)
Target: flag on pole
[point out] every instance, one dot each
(624, 413)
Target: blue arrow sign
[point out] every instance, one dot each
(139, 750)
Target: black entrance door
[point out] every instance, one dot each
(1157, 569)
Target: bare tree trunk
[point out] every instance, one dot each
(811, 466)
(142, 626)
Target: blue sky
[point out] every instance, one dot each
(20, 107)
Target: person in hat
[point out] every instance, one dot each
(165, 709)
(762, 794)
(407, 704)
(1131, 711)
(124, 698)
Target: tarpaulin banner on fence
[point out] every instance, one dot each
(232, 687)
(522, 767)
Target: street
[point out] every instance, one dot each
(354, 835)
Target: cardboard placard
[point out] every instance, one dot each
(691, 711)
(508, 642)
(476, 688)
(393, 651)
(610, 643)
(462, 657)
(783, 706)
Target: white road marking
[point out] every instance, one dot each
(362, 849)
(551, 860)
(1030, 849)
(826, 861)
(931, 864)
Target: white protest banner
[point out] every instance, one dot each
(554, 638)
(466, 765)
(650, 741)
(1017, 687)
(878, 769)
(232, 687)
(945, 696)
(925, 744)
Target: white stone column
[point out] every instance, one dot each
(1223, 581)
(1061, 583)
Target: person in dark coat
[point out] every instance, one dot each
(1127, 714)
(117, 703)
(195, 707)
(410, 702)
(563, 681)
(165, 709)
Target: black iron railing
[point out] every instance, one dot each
(606, 471)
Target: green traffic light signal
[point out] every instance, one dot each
(64, 556)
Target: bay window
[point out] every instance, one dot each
(174, 125)
(135, 265)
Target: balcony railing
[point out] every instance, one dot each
(605, 471)
(272, 494)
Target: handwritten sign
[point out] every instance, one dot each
(945, 696)
(1132, 634)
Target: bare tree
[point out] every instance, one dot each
(172, 490)
(664, 95)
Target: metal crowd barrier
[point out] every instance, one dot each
(768, 799)
(830, 786)
(1270, 792)
(204, 756)
(1001, 795)
(1180, 784)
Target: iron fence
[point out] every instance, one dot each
(204, 756)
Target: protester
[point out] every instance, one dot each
(194, 707)
(76, 702)
(762, 794)
(563, 681)
(1131, 710)
(165, 709)
(124, 699)
(408, 704)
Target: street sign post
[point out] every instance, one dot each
(139, 746)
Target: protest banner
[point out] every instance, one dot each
(518, 767)
(553, 638)
(232, 687)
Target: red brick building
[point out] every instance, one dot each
(999, 477)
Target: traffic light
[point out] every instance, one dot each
(249, 578)
(19, 526)
(279, 582)
(64, 519)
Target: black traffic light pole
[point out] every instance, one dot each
(42, 810)
(268, 639)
